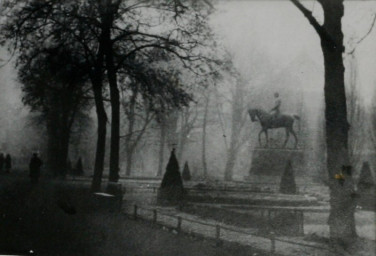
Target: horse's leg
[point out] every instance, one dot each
(287, 137)
(259, 137)
(267, 138)
(296, 138)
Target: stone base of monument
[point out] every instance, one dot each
(267, 168)
(272, 161)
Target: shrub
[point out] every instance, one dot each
(171, 189)
(366, 181)
(186, 172)
(288, 185)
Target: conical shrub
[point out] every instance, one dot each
(69, 166)
(186, 172)
(366, 181)
(288, 185)
(79, 170)
(171, 189)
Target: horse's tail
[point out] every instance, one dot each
(296, 117)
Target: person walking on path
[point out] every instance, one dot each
(34, 167)
(8, 163)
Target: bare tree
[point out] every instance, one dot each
(110, 32)
(188, 118)
(139, 117)
(372, 115)
(341, 220)
(356, 112)
(168, 124)
(204, 134)
(238, 121)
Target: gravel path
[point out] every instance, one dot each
(286, 246)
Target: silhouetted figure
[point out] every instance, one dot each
(1, 162)
(34, 167)
(8, 163)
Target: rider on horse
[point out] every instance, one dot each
(274, 119)
(276, 107)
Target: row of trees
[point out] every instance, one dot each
(69, 52)
(142, 49)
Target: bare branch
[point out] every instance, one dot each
(365, 36)
(321, 31)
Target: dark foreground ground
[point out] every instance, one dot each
(53, 218)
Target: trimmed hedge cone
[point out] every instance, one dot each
(79, 170)
(171, 190)
(288, 185)
(186, 172)
(366, 182)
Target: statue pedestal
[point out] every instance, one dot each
(272, 161)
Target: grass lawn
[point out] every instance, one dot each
(53, 218)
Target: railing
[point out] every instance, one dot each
(217, 232)
(219, 184)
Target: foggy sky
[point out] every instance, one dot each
(280, 32)
(274, 48)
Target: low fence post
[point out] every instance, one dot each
(179, 224)
(154, 216)
(272, 240)
(218, 235)
(135, 211)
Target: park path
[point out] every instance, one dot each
(169, 217)
(144, 195)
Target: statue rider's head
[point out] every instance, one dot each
(276, 95)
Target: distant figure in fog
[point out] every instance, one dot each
(34, 167)
(8, 163)
(1, 162)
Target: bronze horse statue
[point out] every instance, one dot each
(269, 121)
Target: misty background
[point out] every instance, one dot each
(274, 49)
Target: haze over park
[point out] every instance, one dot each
(241, 114)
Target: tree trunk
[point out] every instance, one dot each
(64, 149)
(185, 129)
(236, 128)
(97, 83)
(107, 18)
(115, 119)
(128, 140)
(182, 143)
(66, 108)
(128, 167)
(161, 147)
(204, 124)
(342, 200)
(341, 220)
(230, 163)
(52, 145)
(101, 136)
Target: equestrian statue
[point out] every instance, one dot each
(274, 119)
